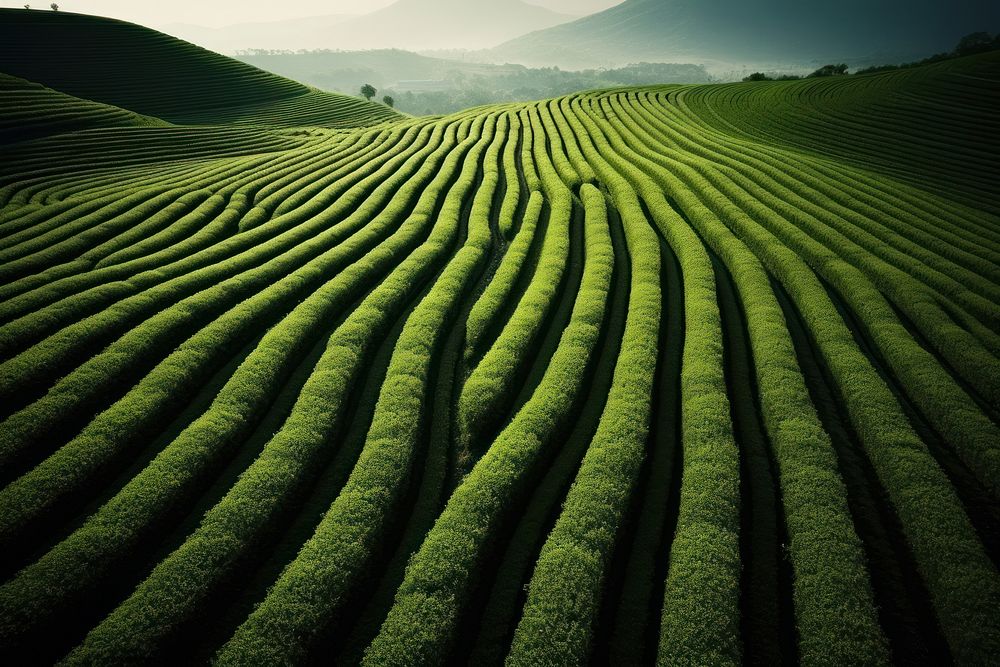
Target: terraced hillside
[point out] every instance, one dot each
(626, 376)
(145, 71)
(31, 111)
(916, 114)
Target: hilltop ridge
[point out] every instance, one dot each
(148, 72)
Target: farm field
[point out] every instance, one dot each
(702, 374)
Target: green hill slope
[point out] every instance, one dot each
(685, 375)
(151, 73)
(30, 110)
(931, 125)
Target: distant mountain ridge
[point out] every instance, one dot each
(764, 32)
(435, 24)
(293, 34)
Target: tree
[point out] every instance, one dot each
(368, 91)
(54, 7)
(389, 102)
(757, 76)
(830, 70)
(977, 42)
(27, 6)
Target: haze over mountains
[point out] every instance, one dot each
(293, 34)
(779, 32)
(577, 34)
(426, 85)
(433, 24)
(405, 24)
(724, 34)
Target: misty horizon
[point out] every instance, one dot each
(224, 13)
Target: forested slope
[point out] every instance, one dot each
(627, 376)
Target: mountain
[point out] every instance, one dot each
(145, 71)
(575, 7)
(294, 34)
(768, 32)
(442, 24)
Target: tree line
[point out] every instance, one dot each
(368, 91)
(971, 44)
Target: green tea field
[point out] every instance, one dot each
(680, 375)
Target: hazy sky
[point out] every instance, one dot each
(225, 12)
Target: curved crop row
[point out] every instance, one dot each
(316, 584)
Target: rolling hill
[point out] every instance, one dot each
(30, 111)
(766, 33)
(141, 70)
(688, 374)
(915, 151)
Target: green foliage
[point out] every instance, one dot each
(565, 590)
(487, 307)
(114, 431)
(861, 386)
(181, 581)
(809, 476)
(971, 44)
(313, 585)
(429, 602)
(513, 196)
(492, 381)
(976, 42)
(830, 70)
